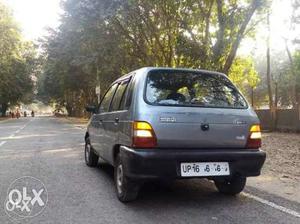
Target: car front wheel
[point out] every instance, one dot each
(127, 189)
(231, 186)
(91, 159)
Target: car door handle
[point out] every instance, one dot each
(100, 121)
(117, 120)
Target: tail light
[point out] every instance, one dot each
(143, 135)
(254, 139)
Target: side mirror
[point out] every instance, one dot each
(91, 109)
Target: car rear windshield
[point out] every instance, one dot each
(186, 88)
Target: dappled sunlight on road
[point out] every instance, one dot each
(27, 136)
(10, 126)
(16, 156)
(58, 150)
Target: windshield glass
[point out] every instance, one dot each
(185, 88)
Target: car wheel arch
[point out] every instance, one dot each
(115, 152)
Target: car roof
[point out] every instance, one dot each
(147, 69)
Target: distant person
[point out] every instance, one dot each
(32, 113)
(25, 114)
(18, 114)
(12, 115)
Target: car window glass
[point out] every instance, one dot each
(123, 100)
(105, 104)
(118, 96)
(129, 94)
(183, 88)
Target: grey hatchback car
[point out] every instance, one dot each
(166, 124)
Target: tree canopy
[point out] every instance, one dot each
(17, 62)
(100, 40)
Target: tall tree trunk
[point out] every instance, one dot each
(219, 45)
(276, 105)
(98, 85)
(4, 107)
(294, 83)
(252, 97)
(241, 32)
(269, 79)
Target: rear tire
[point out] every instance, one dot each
(233, 186)
(127, 190)
(91, 158)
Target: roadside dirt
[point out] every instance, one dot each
(283, 154)
(281, 171)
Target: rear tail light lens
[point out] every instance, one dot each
(143, 135)
(255, 128)
(254, 139)
(255, 135)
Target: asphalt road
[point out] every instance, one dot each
(51, 150)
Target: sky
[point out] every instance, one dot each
(35, 15)
(279, 20)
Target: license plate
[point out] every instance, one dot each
(204, 169)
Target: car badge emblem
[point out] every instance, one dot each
(167, 119)
(205, 127)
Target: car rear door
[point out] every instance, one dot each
(114, 117)
(99, 139)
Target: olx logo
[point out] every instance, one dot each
(26, 197)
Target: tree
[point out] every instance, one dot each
(16, 62)
(293, 26)
(296, 75)
(244, 75)
(196, 34)
(99, 40)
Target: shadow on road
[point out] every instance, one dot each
(179, 190)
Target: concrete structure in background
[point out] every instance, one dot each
(286, 119)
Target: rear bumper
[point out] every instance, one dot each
(165, 163)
